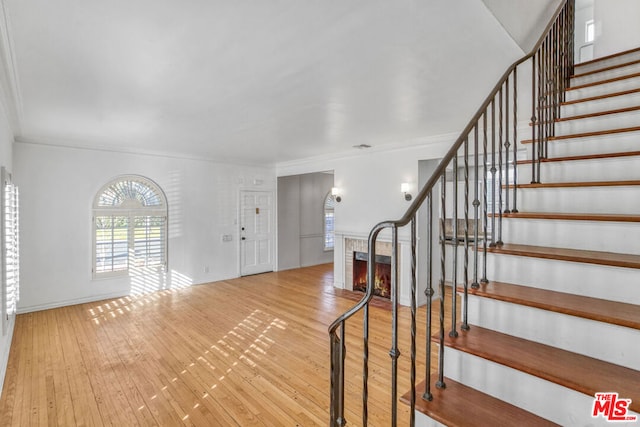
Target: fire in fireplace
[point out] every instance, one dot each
(382, 282)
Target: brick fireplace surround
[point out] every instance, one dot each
(347, 244)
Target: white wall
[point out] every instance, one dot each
(617, 26)
(370, 184)
(57, 188)
(524, 20)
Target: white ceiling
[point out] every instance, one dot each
(254, 81)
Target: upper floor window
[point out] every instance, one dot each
(129, 227)
(589, 31)
(329, 230)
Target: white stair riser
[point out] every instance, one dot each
(618, 237)
(608, 169)
(603, 104)
(612, 143)
(598, 123)
(546, 399)
(618, 199)
(604, 63)
(460, 279)
(611, 343)
(592, 280)
(423, 421)
(603, 89)
(616, 72)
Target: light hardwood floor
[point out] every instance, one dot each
(242, 352)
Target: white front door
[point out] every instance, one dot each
(256, 232)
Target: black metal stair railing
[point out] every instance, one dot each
(487, 149)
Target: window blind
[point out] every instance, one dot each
(10, 249)
(130, 227)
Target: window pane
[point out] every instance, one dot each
(328, 229)
(130, 226)
(119, 192)
(112, 243)
(329, 205)
(149, 238)
(589, 33)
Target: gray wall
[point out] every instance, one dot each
(301, 221)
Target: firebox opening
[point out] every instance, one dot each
(382, 282)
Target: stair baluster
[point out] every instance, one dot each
(515, 138)
(551, 62)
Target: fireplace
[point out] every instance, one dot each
(382, 278)
(347, 244)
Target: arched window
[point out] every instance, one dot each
(129, 227)
(329, 227)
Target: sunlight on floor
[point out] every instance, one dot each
(239, 343)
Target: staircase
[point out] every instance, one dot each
(541, 241)
(560, 318)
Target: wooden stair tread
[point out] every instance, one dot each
(604, 96)
(592, 115)
(588, 134)
(575, 371)
(565, 254)
(577, 184)
(617, 313)
(599, 114)
(582, 157)
(574, 216)
(462, 406)
(605, 81)
(609, 68)
(604, 58)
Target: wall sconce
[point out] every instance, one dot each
(404, 188)
(335, 192)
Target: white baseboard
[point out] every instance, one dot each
(75, 301)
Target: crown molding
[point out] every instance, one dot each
(411, 144)
(10, 94)
(71, 145)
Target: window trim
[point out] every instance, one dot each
(129, 208)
